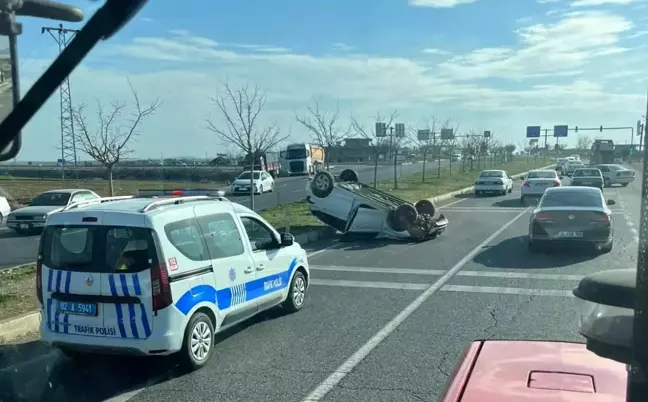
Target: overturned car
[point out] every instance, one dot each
(353, 208)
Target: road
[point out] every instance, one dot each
(374, 328)
(22, 249)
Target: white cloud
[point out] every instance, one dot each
(435, 51)
(589, 3)
(185, 70)
(439, 3)
(562, 48)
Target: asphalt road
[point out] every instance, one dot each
(16, 249)
(374, 328)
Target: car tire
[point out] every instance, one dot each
(623, 184)
(607, 248)
(322, 184)
(401, 218)
(297, 293)
(349, 175)
(201, 329)
(510, 190)
(522, 200)
(607, 182)
(271, 188)
(425, 207)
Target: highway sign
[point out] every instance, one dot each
(561, 131)
(533, 132)
(486, 134)
(447, 134)
(423, 135)
(381, 129)
(399, 130)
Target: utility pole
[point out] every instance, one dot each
(63, 37)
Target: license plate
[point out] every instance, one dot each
(569, 234)
(75, 308)
(24, 226)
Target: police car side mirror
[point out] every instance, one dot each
(287, 240)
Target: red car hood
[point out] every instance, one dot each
(515, 371)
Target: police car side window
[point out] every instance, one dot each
(261, 237)
(222, 236)
(186, 237)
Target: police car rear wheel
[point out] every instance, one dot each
(198, 342)
(297, 293)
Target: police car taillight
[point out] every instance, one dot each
(160, 287)
(39, 278)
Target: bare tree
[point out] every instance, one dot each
(109, 143)
(425, 146)
(583, 143)
(378, 144)
(446, 144)
(240, 109)
(323, 126)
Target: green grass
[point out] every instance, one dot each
(24, 190)
(18, 292)
(294, 216)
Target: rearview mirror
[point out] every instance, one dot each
(9, 90)
(610, 202)
(287, 240)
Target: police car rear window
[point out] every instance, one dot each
(105, 249)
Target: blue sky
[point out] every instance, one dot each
(484, 64)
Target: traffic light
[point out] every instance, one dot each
(576, 129)
(601, 129)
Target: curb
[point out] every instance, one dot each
(14, 328)
(11, 329)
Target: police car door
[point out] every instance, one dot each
(271, 261)
(233, 268)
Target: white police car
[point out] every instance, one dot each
(146, 276)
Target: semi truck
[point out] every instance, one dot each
(267, 161)
(602, 152)
(303, 158)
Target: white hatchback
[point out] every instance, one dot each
(161, 276)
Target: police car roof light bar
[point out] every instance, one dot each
(96, 201)
(180, 200)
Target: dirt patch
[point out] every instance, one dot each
(18, 291)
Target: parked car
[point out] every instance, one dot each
(353, 208)
(32, 217)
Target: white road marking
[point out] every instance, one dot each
(507, 291)
(454, 202)
(438, 272)
(626, 216)
(345, 368)
(369, 284)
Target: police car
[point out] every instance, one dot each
(161, 276)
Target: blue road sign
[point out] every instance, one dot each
(560, 131)
(533, 131)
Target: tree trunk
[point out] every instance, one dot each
(375, 170)
(110, 180)
(424, 160)
(252, 185)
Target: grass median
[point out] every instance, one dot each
(410, 187)
(18, 291)
(23, 190)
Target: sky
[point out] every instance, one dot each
(497, 65)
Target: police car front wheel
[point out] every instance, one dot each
(198, 341)
(297, 293)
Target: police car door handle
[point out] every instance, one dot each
(260, 267)
(248, 270)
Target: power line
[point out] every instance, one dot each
(63, 37)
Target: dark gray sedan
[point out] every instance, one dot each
(588, 177)
(569, 215)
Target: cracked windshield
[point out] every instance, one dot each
(371, 200)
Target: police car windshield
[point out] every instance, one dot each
(51, 199)
(572, 198)
(541, 175)
(246, 175)
(105, 249)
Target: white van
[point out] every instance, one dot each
(146, 276)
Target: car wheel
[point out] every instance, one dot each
(271, 187)
(425, 207)
(349, 175)
(401, 218)
(607, 182)
(522, 200)
(322, 184)
(297, 294)
(607, 248)
(510, 189)
(623, 184)
(198, 342)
